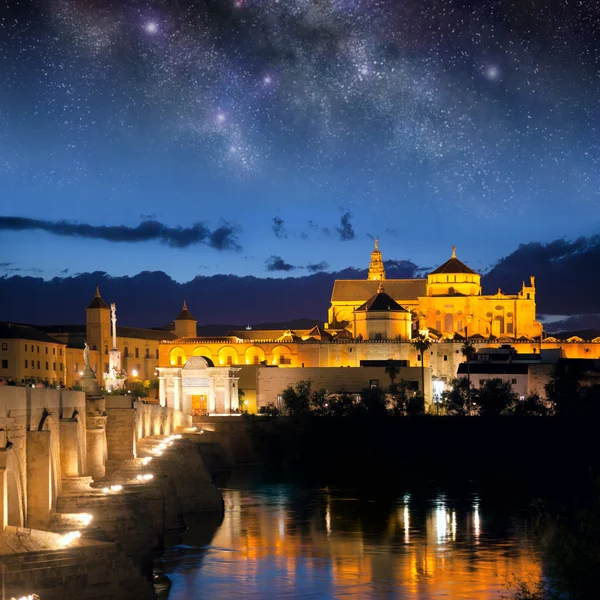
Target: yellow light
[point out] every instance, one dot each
(116, 488)
(134, 373)
(105, 490)
(146, 460)
(85, 518)
(69, 537)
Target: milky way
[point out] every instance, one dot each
(473, 110)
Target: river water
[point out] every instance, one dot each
(285, 541)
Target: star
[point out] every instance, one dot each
(151, 27)
(221, 117)
(492, 72)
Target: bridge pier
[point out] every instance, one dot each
(40, 497)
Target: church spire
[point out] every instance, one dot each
(97, 294)
(376, 268)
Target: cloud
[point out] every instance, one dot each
(276, 263)
(320, 266)
(64, 271)
(222, 238)
(279, 228)
(565, 274)
(345, 230)
(5, 265)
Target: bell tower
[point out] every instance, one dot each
(97, 324)
(185, 324)
(376, 268)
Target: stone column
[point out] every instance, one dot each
(212, 400)
(177, 392)
(226, 395)
(162, 392)
(39, 479)
(3, 491)
(69, 448)
(233, 385)
(96, 446)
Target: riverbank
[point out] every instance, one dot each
(103, 535)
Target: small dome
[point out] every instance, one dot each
(453, 266)
(381, 302)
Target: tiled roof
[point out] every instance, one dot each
(145, 334)
(381, 302)
(360, 290)
(257, 334)
(97, 301)
(185, 314)
(453, 265)
(12, 331)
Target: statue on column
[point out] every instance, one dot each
(87, 363)
(113, 318)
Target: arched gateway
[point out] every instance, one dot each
(199, 388)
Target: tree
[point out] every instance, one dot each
(532, 406)
(297, 400)
(392, 370)
(563, 389)
(372, 402)
(495, 397)
(421, 344)
(468, 351)
(399, 398)
(456, 400)
(415, 405)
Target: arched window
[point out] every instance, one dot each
(448, 322)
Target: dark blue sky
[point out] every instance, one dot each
(294, 130)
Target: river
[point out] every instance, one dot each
(285, 541)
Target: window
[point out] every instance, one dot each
(46, 364)
(147, 352)
(4, 346)
(419, 357)
(38, 349)
(445, 358)
(54, 366)
(105, 349)
(38, 362)
(137, 352)
(179, 361)
(459, 325)
(230, 360)
(26, 365)
(76, 367)
(509, 327)
(528, 296)
(126, 352)
(255, 359)
(54, 351)
(373, 383)
(61, 366)
(4, 363)
(60, 351)
(25, 347)
(46, 349)
(513, 381)
(157, 354)
(378, 336)
(106, 365)
(448, 322)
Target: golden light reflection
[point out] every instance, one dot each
(336, 548)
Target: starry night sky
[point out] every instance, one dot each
(270, 137)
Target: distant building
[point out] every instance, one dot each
(369, 322)
(29, 355)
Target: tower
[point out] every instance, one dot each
(97, 324)
(185, 324)
(376, 268)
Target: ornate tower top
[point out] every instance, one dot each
(453, 251)
(376, 268)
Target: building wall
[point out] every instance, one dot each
(270, 382)
(32, 360)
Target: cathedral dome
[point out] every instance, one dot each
(453, 266)
(380, 302)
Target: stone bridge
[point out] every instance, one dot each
(67, 457)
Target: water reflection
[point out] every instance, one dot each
(285, 542)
